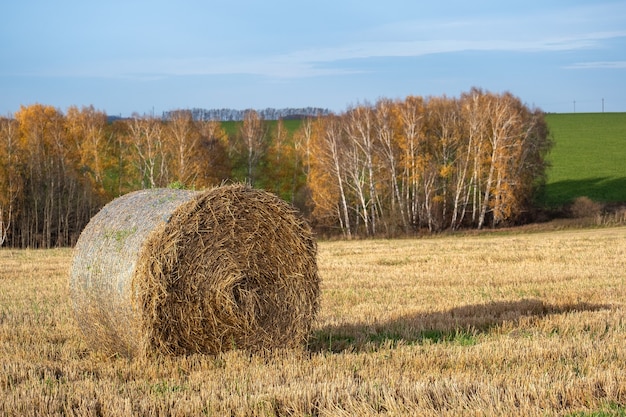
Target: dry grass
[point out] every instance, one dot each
(518, 324)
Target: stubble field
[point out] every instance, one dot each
(492, 324)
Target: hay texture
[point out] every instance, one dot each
(175, 271)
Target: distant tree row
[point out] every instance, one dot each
(232, 115)
(389, 168)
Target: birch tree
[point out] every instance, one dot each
(86, 129)
(411, 115)
(211, 163)
(445, 142)
(11, 178)
(57, 203)
(147, 142)
(359, 127)
(387, 135)
(183, 140)
(326, 174)
(302, 148)
(254, 137)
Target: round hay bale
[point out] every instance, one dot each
(175, 271)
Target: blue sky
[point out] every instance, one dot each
(125, 56)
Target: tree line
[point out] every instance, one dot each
(231, 115)
(389, 168)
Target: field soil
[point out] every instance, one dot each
(504, 323)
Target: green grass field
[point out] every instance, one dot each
(588, 158)
(232, 128)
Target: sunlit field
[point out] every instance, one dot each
(529, 324)
(587, 158)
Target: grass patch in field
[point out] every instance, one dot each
(395, 261)
(611, 410)
(459, 337)
(164, 387)
(588, 158)
(362, 340)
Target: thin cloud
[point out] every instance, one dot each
(319, 61)
(324, 61)
(598, 65)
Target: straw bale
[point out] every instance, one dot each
(176, 271)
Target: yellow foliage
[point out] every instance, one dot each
(446, 171)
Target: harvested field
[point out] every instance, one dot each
(527, 324)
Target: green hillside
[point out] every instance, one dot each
(588, 158)
(232, 128)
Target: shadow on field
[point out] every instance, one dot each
(459, 325)
(598, 189)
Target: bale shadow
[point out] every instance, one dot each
(459, 325)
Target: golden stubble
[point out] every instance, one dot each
(436, 274)
(494, 324)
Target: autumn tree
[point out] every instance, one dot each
(283, 173)
(86, 129)
(11, 179)
(146, 140)
(210, 161)
(182, 138)
(302, 143)
(327, 174)
(252, 143)
(124, 174)
(302, 162)
(446, 142)
(411, 116)
(40, 127)
(57, 202)
(387, 137)
(362, 165)
(519, 142)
